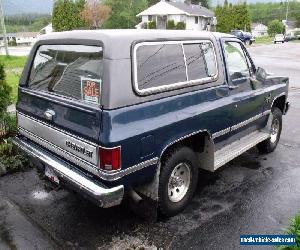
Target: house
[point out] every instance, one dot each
(11, 37)
(259, 29)
(195, 17)
(46, 30)
(26, 38)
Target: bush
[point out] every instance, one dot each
(4, 92)
(144, 25)
(293, 229)
(170, 25)
(10, 158)
(152, 25)
(180, 26)
(275, 27)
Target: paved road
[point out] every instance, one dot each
(16, 51)
(252, 194)
(279, 59)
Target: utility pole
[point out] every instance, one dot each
(287, 11)
(3, 28)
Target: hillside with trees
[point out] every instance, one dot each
(266, 12)
(26, 22)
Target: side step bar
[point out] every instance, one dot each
(238, 147)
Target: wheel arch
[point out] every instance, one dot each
(279, 102)
(202, 144)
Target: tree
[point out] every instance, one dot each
(123, 13)
(204, 3)
(275, 27)
(4, 93)
(67, 15)
(231, 17)
(95, 13)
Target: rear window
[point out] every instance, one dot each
(73, 71)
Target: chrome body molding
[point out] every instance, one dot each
(95, 191)
(58, 137)
(69, 155)
(250, 120)
(222, 132)
(182, 138)
(59, 151)
(241, 124)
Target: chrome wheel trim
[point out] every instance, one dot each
(179, 182)
(275, 130)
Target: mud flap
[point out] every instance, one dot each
(146, 204)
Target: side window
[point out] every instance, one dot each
(236, 61)
(196, 66)
(159, 65)
(200, 61)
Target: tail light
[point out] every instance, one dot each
(110, 159)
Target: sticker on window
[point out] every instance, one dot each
(90, 90)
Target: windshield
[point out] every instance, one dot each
(73, 71)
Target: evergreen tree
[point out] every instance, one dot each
(231, 17)
(123, 13)
(67, 15)
(204, 3)
(4, 93)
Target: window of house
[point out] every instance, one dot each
(150, 18)
(196, 20)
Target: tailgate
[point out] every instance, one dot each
(60, 106)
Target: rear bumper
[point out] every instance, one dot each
(93, 190)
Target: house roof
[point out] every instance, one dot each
(27, 34)
(174, 8)
(193, 9)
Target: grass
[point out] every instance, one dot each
(264, 40)
(13, 68)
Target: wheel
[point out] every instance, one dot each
(270, 144)
(178, 181)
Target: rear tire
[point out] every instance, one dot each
(270, 144)
(178, 181)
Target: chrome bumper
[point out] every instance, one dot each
(96, 192)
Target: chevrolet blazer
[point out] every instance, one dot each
(111, 113)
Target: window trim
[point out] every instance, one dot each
(178, 85)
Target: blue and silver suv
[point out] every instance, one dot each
(139, 112)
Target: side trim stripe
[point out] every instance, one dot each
(241, 124)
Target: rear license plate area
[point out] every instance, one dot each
(51, 175)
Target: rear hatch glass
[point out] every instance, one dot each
(72, 71)
(60, 106)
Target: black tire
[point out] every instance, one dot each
(270, 145)
(178, 156)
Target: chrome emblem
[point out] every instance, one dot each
(49, 115)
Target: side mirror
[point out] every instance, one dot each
(261, 74)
